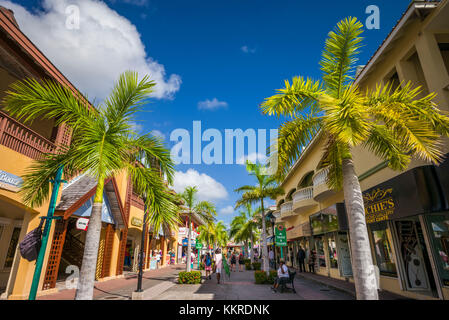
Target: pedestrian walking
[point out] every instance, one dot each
(158, 257)
(241, 262)
(233, 261)
(218, 259)
(301, 258)
(312, 261)
(207, 264)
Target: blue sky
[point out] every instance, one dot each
(237, 52)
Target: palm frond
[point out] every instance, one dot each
(294, 98)
(339, 55)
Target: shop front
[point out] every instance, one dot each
(330, 242)
(408, 220)
(298, 236)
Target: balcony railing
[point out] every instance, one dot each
(286, 208)
(303, 194)
(320, 177)
(22, 139)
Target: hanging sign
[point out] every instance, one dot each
(280, 235)
(82, 224)
(198, 245)
(9, 181)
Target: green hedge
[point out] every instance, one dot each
(192, 277)
(256, 265)
(247, 264)
(262, 278)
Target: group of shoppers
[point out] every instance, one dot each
(304, 259)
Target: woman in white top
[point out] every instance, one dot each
(218, 258)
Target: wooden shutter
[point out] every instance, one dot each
(54, 258)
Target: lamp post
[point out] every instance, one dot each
(142, 244)
(273, 220)
(49, 218)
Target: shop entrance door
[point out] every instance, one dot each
(414, 258)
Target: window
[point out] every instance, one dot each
(319, 247)
(12, 247)
(382, 249)
(332, 251)
(439, 234)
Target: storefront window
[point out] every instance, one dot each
(319, 247)
(332, 251)
(382, 249)
(439, 233)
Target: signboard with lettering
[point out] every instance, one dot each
(136, 222)
(9, 181)
(280, 235)
(379, 204)
(82, 223)
(198, 244)
(408, 194)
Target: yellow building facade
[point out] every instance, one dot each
(406, 212)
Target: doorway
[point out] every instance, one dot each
(414, 258)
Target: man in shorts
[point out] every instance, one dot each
(218, 258)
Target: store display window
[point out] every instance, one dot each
(332, 244)
(439, 234)
(382, 243)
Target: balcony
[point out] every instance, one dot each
(287, 209)
(320, 188)
(22, 139)
(303, 199)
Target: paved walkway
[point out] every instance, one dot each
(241, 286)
(344, 286)
(121, 289)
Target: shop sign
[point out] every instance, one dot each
(82, 223)
(185, 242)
(280, 235)
(379, 205)
(9, 181)
(198, 245)
(136, 222)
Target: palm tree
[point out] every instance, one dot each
(244, 228)
(203, 209)
(266, 187)
(395, 124)
(221, 235)
(103, 145)
(207, 234)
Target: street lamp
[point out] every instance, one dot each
(273, 220)
(142, 244)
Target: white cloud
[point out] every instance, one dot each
(158, 133)
(226, 210)
(92, 56)
(213, 104)
(253, 158)
(208, 188)
(247, 49)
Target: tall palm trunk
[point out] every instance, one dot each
(362, 262)
(86, 281)
(189, 248)
(266, 267)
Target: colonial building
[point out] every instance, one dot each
(406, 212)
(20, 145)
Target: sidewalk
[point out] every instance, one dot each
(241, 286)
(121, 289)
(345, 286)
